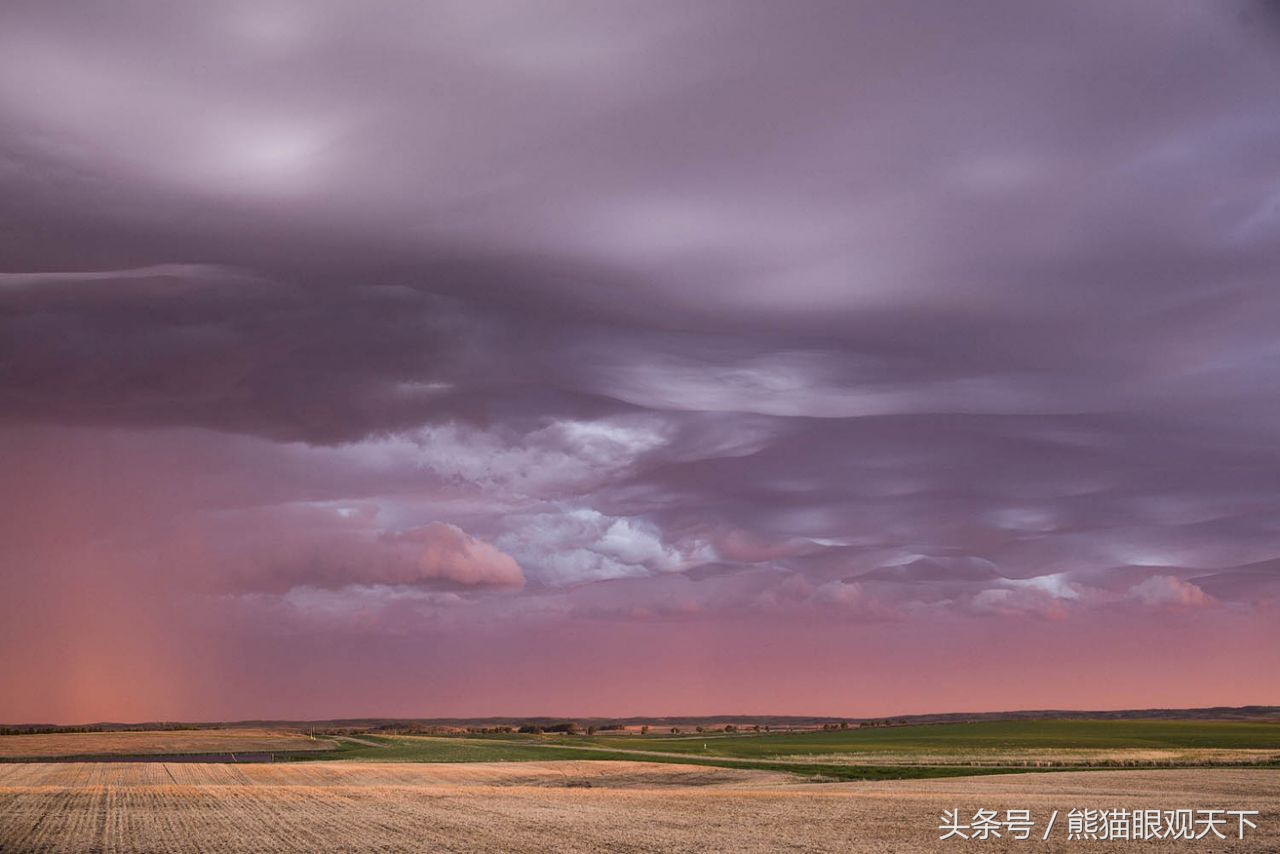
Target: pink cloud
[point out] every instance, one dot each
(277, 549)
(451, 554)
(1166, 591)
(746, 546)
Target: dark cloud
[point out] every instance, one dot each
(414, 317)
(209, 347)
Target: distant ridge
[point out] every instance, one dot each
(1210, 713)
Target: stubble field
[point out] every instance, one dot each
(575, 806)
(123, 743)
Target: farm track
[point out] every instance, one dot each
(352, 739)
(541, 806)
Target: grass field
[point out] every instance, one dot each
(454, 749)
(854, 754)
(874, 753)
(1020, 743)
(324, 807)
(936, 738)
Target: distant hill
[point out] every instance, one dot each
(1212, 713)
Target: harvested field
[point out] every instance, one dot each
(542, 806)
(219, 741)
(365, 774)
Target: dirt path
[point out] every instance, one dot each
(357, 740)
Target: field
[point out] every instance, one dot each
(858, 790)
(386, 749)
(1044, 743)
(877, 753)
(870, 753)
(202, 741)
(128, 808)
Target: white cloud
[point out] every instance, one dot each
(558, 457)
(581, 544)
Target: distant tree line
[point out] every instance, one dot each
(50, 730)
(45, 730)
(568, 728)
(729, 728)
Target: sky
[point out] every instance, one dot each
(600, 358)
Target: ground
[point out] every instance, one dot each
(933, 750)
(871, 790)
(195, 741)
(573, 806)
(1014, 743)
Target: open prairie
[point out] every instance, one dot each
(853, 754)
(874, 752)
(128, 808)
(200, 741)
(1008, 743)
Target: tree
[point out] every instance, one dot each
(644, 730)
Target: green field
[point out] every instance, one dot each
(551, 748)
(969, 737)
(872, 753)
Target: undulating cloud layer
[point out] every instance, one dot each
(603, 358)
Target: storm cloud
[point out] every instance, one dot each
(439, 330)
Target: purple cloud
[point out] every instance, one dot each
(453, 319)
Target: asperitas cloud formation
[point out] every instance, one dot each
(544, 353)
